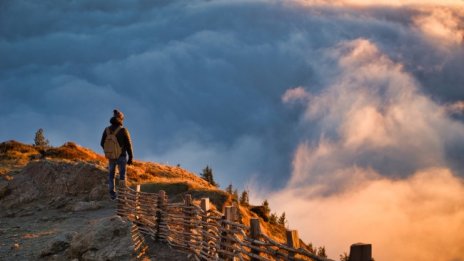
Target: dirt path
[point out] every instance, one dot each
(25, 232)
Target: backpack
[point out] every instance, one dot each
(111, 146)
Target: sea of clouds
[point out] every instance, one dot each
(347, 114)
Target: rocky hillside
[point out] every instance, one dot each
(48, 195)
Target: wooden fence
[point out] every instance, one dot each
(203, 233)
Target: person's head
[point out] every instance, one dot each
(118, 118)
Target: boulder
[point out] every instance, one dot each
(98, 192)
(85, 206)
(261, 212)
(4, 190)
(58, 244)
(107, 239)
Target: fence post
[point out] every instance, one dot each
(187, 220)
(292, 241)
(229, 212)
(122, 198)
(225, 233)
(137, 203)
(360, 252)
(162, 204)
(204, 229)
(255, 232)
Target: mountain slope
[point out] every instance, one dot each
(68, 179)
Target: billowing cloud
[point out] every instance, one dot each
(456, 107)
(395, 3)
(376, 124)
(223, 83)
(413, 219)
(295, 94)
(442, 25)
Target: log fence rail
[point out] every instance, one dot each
(205, 234)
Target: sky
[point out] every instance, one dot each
(345, 114)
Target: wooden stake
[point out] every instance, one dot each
(137, 196)
(204, 229)
(292, 241)
(255, 232)
(361, 252)
(162, 202)
(187, 219)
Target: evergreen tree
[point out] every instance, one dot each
(229, 189)
(40, 140)
(321, 252)
(310, 248)
(266, 207)
(207, 175)
(244, 198)
(235, 195)
(273, 218)
(282, 219)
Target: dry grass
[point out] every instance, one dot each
(153, 177)
(72, 151)
(14, 154)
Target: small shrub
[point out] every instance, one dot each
(40, 140)
(244, 199)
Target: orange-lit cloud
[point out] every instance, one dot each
(419, 218)
(379, 172)
(456, 107)
(395, 3)
(442, 25)
(295, 94)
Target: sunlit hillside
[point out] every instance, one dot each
(33, 175)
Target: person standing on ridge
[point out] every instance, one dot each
(117, 144)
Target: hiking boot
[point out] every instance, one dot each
(113, 196)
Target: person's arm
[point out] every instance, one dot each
(102, 142)
(128, 142)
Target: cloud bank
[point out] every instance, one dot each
(336, 104)
(374, 123)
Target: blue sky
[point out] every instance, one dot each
(276, 96)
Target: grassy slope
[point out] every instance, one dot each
(152, 176)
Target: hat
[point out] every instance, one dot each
(118, 114)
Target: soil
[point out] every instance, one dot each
(26, 231)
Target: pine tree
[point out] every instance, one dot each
(273, 218)
(282, 219)
(207, 175)
(244, 198)
(40, 140)
(235, 195)
(321, 252)
(266, 206)
(230, 189)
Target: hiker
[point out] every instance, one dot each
(116, 143)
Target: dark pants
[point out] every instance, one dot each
(121, 163)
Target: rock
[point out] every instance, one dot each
(15, 246)
(4, 190)
(107, 239)
(85, 206)
(98, 192)
(59, 202)
(51, 179)
(261, 212)
(58, 244)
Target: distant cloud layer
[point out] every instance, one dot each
(351, 109)
(375, 123)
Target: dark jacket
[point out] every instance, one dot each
(123, 137)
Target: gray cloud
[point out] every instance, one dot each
(206, 73)
(322, 103)
(197, 75)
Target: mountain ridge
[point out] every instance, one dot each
(72, 178)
